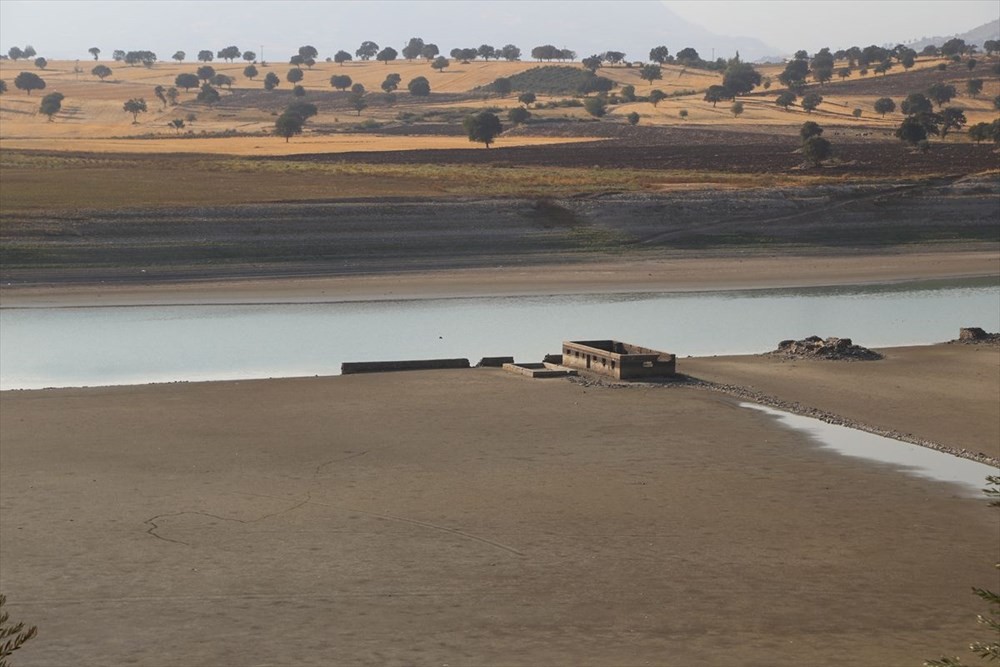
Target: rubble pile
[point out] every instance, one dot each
(975, 336)
(830, 348)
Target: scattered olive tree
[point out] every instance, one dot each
(482, 127)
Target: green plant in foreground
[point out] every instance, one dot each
(986, 650)
(12, 637)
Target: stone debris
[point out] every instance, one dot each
(842, 349)
(976, 336)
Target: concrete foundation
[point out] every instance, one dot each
(352, 367)
(622, 361)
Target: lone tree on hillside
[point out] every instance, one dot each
(15, 53)
(177, 124)
(206, 72)
(502, 86)
(161, 94)
(135, 106)
(884, 105)
(526, 98)
(509, 52)
(659, 54)
(440, 63)
(737, 108)
(222, 80)
(740, 78)
(810, 129)
(391, 82)
(952, 118)
(419, 87)
(250, 72)
(288, 125)
(633, 118)
(94, 51)
(816, 149)
(518, 115)
(205, 56)
(29, 81)
(387, 55)
(810, 101)
(341, 81)
(249, 56)
(614, 57)
(294, 75)
(367, 50)
(821, 66)
(341, 57)
(593, 63)
(786, 99)
(656, 96)
(595, 106)
(187, 81)
(413, 48)
(357, 101)
(916, 103)
(482, 127)
(271, 81)
(716, 94)
(3, 86)
(208, 95)
(941, 93)
(795, 72)
(973, 87)
(230, 53)
(102, 72)
(41, 63)
(912, 130)
(650, 73)
(51, 104)
(179, 56)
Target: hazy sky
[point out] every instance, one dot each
(65, 29)
(790, 24)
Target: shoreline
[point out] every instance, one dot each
(704, 274)
(742, 391)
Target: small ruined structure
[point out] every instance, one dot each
(540, 370)
(618, 360)
(975, 335)
(842, 349)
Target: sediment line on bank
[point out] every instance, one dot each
(747, 394)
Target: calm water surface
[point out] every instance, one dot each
(59, 347)
(910, 459)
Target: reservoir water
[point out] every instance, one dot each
(918, 461)
(83, 346)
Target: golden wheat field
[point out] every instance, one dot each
(92, 117)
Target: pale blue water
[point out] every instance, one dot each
(59, 347)
(910, 459)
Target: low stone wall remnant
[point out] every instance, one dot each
(814, 347)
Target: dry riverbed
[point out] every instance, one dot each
(477, 517)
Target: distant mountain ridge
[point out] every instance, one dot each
(976, 36)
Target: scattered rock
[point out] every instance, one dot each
(813, 347)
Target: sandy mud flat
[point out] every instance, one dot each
(478, 517)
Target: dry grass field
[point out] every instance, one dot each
(93, 118)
